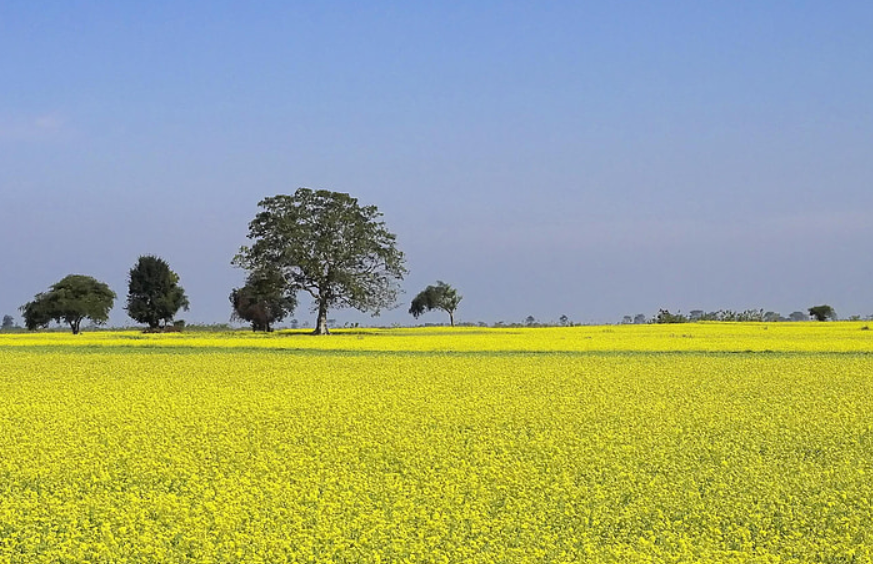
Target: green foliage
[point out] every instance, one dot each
(8, 322)
(664, 316)
(822, 312)
(72, 299)
(154, 295)
(439, 296)
(264, 300)
(328, 246)
(209, 328)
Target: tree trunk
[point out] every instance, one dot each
(74, 325)
(321, 325)
(452, 318)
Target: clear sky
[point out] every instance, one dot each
(593, 159)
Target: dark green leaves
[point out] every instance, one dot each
(440, 296)
(154, 295)
(326, 244)
(72, 299)
(264, 300)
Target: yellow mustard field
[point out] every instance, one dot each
(687, 443)
(691, 337)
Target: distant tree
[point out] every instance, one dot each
(72, 299)
(328, 246)
(627, 320)
(154, 295)
(8, 322)
(438, 296)
(530, 321)
(263, 301)
(564, 321)
(772, 316)
(822, 312)
(727, 315)
(640, 319)
(751, 315)
(696, 315)
(798, 316)
(664, 316)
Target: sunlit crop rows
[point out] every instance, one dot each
(252, 449)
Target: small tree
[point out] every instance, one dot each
(440, 296)
(564, 321)
(664, 316)
(8, 322)
(263, 301)
(72, 299)
(154, 295)
(822, 312)
(328, 246)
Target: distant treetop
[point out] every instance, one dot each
(438, 296)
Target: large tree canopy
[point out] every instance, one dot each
(72, 299)
(328, 246)
(822, 312)
(263, 301)
(439, 296)
(154, 295)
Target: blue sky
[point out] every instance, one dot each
(579, 158)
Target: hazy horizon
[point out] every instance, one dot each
(546, 160)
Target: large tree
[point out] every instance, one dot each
(438, 296)
(72, 299)
(263, 300)
(154, 295)
(327, 245)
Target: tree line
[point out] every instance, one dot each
(154, 298)
(318, 242)
(822, 312)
